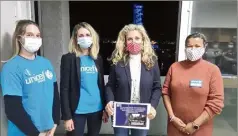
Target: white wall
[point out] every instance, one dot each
(11, 11)
(215, 14)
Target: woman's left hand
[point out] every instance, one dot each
(105, 117)
(152, 113)
(189, 129)
(52, 131)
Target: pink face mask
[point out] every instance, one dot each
(133, 48)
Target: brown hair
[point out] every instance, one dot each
(20, 30)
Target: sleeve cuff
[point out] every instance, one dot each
(165, 92)
(57, 122)
(154, 104)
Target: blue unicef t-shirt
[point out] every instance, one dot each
(34, 81)
(90, 99)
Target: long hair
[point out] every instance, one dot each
(147, 53)
(74, 48)
(19, 31)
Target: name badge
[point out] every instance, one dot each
(195, 83)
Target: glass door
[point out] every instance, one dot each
(218, 21)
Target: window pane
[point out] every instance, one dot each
(217, 20)
(226, 123)
(110, 18)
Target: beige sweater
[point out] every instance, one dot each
(189, 102)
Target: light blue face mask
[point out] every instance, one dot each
(84, 42)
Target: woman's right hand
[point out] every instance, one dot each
(69, 125)
(179, 124)
(109, 108)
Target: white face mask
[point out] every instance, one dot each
(85, 42)
(194, 54)
(32, 44)
(215, 46)
(230, 46)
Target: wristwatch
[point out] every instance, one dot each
(195, 126)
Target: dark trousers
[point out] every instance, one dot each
(125, 132)
(94, 122)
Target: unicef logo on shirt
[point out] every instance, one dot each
(37, 78)
(49, 74)
(92, 69)
(27, 72)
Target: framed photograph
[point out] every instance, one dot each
(131, 115)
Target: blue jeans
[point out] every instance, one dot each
(125, 132)
(94, 121)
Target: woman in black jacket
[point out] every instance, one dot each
(82, 83)
(134, 76)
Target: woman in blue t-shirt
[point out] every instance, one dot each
(82, 83)
(29, 86)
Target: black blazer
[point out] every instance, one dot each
(118, 87)
(70, 83)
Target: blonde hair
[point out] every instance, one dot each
(147, 53)
(19, 31)
(74, 48)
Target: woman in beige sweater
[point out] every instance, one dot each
(193, 92)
